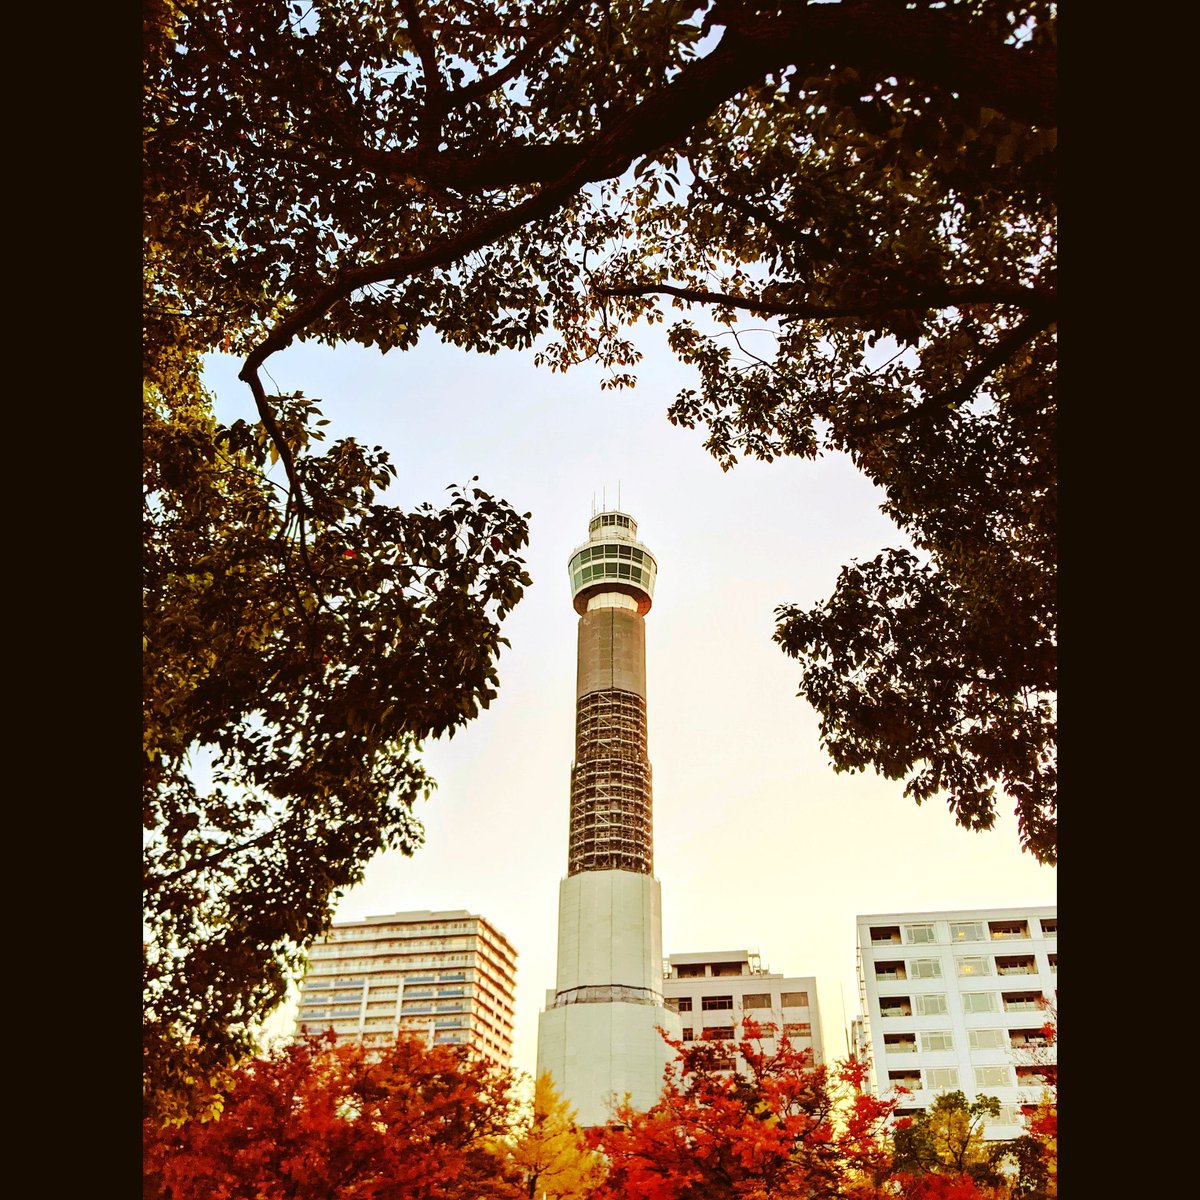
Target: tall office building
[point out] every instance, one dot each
(448, 976)
(957, 1001)
(597, 1035)
(714, 992)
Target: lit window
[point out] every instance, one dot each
(974, 965)
(941, 1077)
(986, 1077)
(1001, 930)
(966, 931)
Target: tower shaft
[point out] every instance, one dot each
(611, 807)
(599, 1033)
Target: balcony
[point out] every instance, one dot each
(1008, 930)
(1016, 964)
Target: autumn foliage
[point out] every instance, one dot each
(322, 1120)
(316, 1119)
(783, 1127)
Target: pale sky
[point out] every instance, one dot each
(759, 844)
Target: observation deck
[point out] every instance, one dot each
(612, 560)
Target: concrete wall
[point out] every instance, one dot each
(596, 1053)
(609, 930)
(612, 652)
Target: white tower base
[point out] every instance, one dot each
(598, 1036)
(599, 1053)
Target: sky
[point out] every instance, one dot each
(758, 843)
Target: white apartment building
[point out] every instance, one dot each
(714, 991)
(450, 976)
(956, 1001)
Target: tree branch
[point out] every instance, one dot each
(435, 88)
(933, 47)
(943, 296)
(996, 357)
(539, 37)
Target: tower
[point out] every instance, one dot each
(598, 1034)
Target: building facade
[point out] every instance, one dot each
(957, 1001)
(598, 1033)
(713, 992)
(448, 976)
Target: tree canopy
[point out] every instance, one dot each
(316, 1119)
(319, 1118)
(869, 184)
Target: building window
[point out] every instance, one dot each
(918, 933)
(885, 935)
(687, 1033)
(794, 999)
(905, 1079)
(1001, 930)
(926, 968)
(679, 1003)
(932, 1004)
(985, 1039)
(756, 1000)
(979, 1002)
(941, 1077)
(798, 1029)
(899, 1043)
(988, 1077)
(1022, 1001)
(973, 965)
(886, 971)
(936, 1039)
(1040, 1075)
(1052, 959)
(895, 1006)
(709, 1003)
(1015, 964)
(1022, 1039)
(1049, 927)
(717, 1033)
(966, 931)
